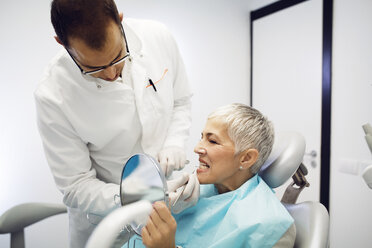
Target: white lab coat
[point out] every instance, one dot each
(90, 127)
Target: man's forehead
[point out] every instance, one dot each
(98, 57)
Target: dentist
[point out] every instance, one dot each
(115, 89)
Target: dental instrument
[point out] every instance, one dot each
(184, 186)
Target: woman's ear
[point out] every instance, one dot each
(121, 16)
(248, 158)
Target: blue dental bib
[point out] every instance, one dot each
(250, 216)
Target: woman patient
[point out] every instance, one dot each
(236, 208)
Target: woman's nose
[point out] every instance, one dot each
(199, 149)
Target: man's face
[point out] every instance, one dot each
(90, 59)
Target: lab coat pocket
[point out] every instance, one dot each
(161, 87)
(156, 81)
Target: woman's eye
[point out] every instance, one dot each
(213, 141)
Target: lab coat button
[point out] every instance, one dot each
(99, 86)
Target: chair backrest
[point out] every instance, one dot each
(285, 158)
(311, 218)
(312, 224)
(15, 219)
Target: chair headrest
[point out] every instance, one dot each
(285, 158)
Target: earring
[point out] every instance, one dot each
(240, 167)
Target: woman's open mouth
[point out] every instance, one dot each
(203, 166)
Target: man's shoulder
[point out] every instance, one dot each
(54, 75)
(148, 30)
(144, 24)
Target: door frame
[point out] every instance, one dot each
(325, 146)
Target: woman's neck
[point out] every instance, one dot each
(222, 188)
(231, 185)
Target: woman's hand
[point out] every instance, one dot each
(160, 230)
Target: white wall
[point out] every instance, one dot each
(351, 199)
(213, 36)
(26, 44)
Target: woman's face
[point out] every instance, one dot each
(218, 164)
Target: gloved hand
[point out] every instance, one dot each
(184, 192)
(171, 158)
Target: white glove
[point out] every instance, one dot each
(171, 158)
(183, 192)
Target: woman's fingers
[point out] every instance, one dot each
(155, 219)
(150, 226)
(145, 235)
(164, 214)
(160, 228)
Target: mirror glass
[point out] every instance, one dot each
(142, 179)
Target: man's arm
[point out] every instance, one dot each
(69, 161)
(179, 127)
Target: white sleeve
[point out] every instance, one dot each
(179, 129)
(69, 161)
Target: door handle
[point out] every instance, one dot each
(311, 157)
(312, 154)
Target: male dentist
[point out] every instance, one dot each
(115, 89)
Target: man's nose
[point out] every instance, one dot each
(110, 72)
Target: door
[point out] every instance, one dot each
(287, 79)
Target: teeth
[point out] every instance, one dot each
(203, 165)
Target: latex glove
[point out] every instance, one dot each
(184, 192)
(171, 158)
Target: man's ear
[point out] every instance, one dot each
(58, 40)
(121, 16)
(248, 158)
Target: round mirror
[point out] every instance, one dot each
(142, 179)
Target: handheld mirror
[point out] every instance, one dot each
(142, 179)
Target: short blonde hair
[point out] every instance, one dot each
(248, 129)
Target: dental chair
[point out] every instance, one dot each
(17, 218)
(285, 161)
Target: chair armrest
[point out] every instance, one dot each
(23, 215)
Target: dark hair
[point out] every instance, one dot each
(84, 19)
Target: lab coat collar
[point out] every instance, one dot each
(134, 43)
(135, 49)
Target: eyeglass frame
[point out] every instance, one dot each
(101, 68)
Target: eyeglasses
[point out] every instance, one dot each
(101, 68)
